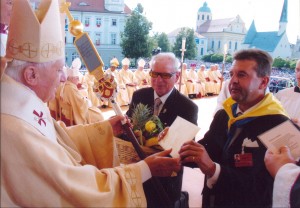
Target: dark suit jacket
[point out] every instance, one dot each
(295, 193)
(176, 105)
(239, 186)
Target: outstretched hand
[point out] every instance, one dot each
(274, 161)
(161, 165)
(192, 151)
(116, 124)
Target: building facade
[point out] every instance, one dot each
(276, 43)
(229, 31)
(103, 20)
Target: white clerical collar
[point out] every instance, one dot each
(164, 97)
(23, 103)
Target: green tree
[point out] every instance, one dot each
(190, 46)
(217, 58)
(135, 38)
(279, 62)
(163, 42)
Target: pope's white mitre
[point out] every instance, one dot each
(36, 36)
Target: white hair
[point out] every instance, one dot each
(15, 68)
(167, 55)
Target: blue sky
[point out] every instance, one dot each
(168, 15)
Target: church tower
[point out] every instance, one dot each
(283, 18)
(203, 15)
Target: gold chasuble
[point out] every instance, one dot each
(44, 164)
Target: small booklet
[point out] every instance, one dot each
(179, 132)
(284, 134)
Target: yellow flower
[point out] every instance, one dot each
(150, 126)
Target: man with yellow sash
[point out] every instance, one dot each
(43, 162)
(230, 155)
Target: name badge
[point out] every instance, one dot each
(243, 160)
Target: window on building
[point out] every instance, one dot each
(235, 46)
(229, 47)
(74, 55)
(198, 17)
(98, 22)
(114, 22)
(202, 41)
(219, 44)
(202, 16)
(98, 38)
(201, 51)
(113, 39)
(207, 18)
(87, 21)
(212, 44)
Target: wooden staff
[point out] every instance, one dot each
(90, 54)
(161, 194)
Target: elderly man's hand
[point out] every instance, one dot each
(274, 161)
(161, 165)
(192, 151)
(116, 124)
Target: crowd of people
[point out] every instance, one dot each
(45, 163)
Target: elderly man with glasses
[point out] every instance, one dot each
(170, 103)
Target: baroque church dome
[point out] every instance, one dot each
(204, 8)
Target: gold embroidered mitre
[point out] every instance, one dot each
(36, 36)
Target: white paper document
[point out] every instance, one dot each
(179, 132)
(285, 134)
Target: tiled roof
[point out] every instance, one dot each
(90, 6)
(217, 25)
(250, 34)
(266, 41)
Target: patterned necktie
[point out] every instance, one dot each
(157, 103)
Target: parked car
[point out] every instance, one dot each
(278, 83)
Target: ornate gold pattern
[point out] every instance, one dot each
(28, 50)
(132, 180)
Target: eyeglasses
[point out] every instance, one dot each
(162, 75)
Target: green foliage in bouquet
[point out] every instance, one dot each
(146, 126)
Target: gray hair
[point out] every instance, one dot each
(167, 55)
(15, 68)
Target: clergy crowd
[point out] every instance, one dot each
(57, 150)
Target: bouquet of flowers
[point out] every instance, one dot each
(146, 126)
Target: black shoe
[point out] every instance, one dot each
(104, 106)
